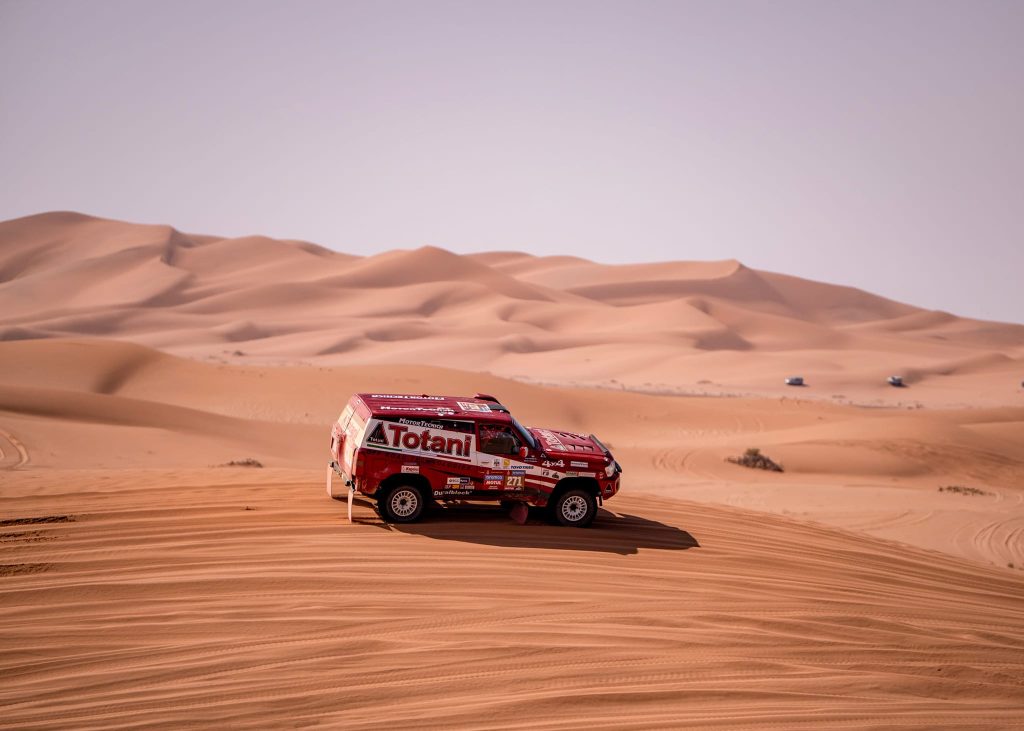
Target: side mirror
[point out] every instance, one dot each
(523, 451)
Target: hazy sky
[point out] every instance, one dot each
(877, 144)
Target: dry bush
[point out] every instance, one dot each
(753, 459)
(247, 462)
(960, 489)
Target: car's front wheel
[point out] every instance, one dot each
(575, 508)
(402, 504)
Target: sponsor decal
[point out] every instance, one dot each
(551, 439)
(406, 398)
(411, 469)
(439, 410)
(572, 474)
(424, 424)
(470, 406)
(399, 436)
(559, 463)
(574, 463)
(588, 474)
(493, 482)
(454, 491)
(458, 481)
(377, 436)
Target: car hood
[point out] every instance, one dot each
(558, 443)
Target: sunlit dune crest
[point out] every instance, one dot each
(692, 327)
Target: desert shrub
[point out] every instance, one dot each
(247, 462)
(960, 489)
(753, 459)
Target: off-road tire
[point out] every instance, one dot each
(575, 508)
(402, 504)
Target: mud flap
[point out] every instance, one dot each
(351, 496)
(333, 470)
(519, 513)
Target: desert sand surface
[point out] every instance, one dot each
(147, 583)
(185, 599)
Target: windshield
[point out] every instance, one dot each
(525, 434)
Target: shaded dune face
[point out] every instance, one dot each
(670, 326)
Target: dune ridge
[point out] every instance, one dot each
(550, 319)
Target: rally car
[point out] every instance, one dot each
(406, 451)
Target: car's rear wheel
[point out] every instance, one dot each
(575, 508)
(402, 504)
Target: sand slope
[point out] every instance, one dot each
(106, 404)
(702, 327)
(248, 602)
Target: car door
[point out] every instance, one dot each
(502, 470)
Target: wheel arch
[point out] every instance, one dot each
(403, 478)
(588, 484)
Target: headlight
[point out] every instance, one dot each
(610, 469)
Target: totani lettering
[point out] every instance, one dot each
(424, 441)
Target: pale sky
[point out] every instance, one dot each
(874, 144)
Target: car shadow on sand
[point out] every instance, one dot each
(623, 534)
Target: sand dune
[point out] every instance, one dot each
(146, 582)
(551, 319)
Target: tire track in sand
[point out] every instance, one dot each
(12, 452)
(192, 611)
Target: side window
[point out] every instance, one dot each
(346, 416)
(466, 427)
(498, 439)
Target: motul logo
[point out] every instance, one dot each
(425, 441)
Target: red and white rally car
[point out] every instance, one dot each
(407, 450)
